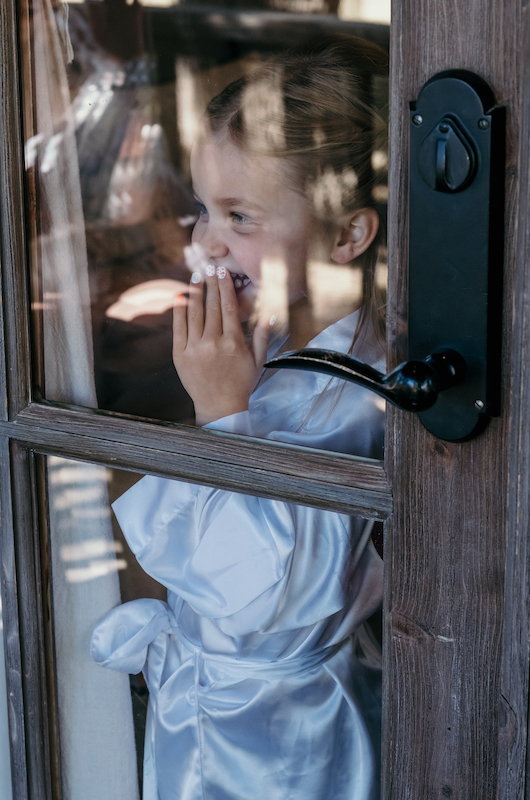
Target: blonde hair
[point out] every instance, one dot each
(311, 107)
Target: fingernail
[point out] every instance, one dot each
(196, 277)
(272, 319)
(210, 270)
(221, 272)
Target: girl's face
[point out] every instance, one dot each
(247, 214)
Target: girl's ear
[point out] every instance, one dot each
(355, 236)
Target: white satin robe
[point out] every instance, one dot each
(257, 690)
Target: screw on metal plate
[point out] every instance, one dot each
(483, 124)
(444, 128)
(479, 404)
(417, 119)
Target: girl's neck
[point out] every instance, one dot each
(302, 327)
(301, 330)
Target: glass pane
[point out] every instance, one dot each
(249, 627)
(135, 186)
(94, 705)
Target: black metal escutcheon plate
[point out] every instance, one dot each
(456, 244)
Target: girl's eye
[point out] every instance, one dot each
(202, 210)
(239, 219)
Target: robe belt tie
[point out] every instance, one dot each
(121, 641)
(242, 668)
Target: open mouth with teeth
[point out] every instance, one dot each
(240, 281)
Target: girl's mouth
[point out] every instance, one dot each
(240, 281)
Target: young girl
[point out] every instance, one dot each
(259, 686)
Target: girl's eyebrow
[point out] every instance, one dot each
(230, 202)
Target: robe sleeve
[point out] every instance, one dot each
(248, 563)
(218, 550)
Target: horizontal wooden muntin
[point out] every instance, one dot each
(182, 26)
(348, 484)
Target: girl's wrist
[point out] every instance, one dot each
(205, 415)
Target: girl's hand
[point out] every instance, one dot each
(217, 368)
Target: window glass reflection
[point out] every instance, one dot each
(120, 95)
(96, 736)
(246, 624)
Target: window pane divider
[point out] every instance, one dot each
(341, 483)
(15, 346)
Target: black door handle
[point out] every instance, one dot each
(413, 386)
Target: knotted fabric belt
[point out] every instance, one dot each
(121, 641)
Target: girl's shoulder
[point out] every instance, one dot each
(338, 337)
(313, 410)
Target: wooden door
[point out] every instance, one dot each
(456, 624)
(456, 672)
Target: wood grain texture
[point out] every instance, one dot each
(50, 698)
(11, 632)
(33, 646)
(513, 733)
(23, 621)
(32, 218)
(446, 543)
(184, 440)
(351, 485)
(16, 344)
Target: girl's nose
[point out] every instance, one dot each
(212, 243)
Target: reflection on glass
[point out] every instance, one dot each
(120, 91)
(94, 707)
(248, 620)
(282, 172)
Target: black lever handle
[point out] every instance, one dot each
(413, 386)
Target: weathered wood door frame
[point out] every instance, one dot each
(456, 659)
(456, 644)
